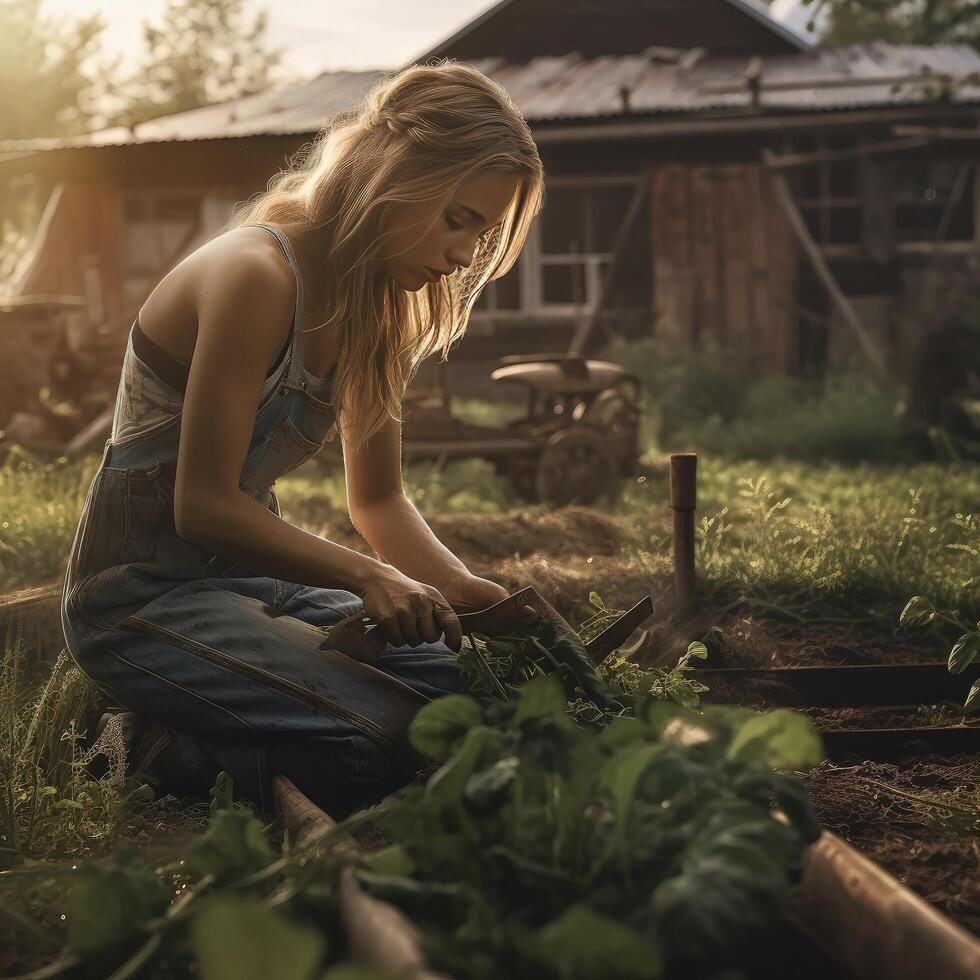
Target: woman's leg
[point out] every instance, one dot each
(245, 688)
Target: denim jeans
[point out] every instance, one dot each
(227, 658)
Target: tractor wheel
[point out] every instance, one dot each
(613, 411)
(577, 467)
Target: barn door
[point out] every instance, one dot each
(724, 263)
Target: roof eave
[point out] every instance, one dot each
(757, 12)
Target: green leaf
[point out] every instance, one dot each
(109, 902)
(582, 944)
(918, 611)
(488, 790)
(233, 846)
(236, 938)
(781, 739)
(390, 860)
(698, 650)
(973, 697)
(716, 907)
(621, 776)
(964, 652)
(479, 746)
(222, 793)
(595, 601)
(439, 727)
(623, 731)
(541, 696)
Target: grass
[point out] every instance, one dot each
(796, 539)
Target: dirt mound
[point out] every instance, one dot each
(566, 583)
(566, 531)
(487, 537)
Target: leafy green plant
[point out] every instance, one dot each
(676, 862)
(537, 848)
(920, 611)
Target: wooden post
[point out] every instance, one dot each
(683, 501)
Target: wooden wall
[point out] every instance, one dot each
(724, 263)
(77, 234)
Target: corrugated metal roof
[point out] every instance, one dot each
(572, 87)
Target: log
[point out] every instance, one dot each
(876, 926)
(380, 935)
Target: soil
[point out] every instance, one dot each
(901, 716)
(748, 641)
(918, 818)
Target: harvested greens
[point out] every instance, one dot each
(581, 823)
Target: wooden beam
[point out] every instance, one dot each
(828, 156)
(586, 326)
(794, 84)
(938, 132)
(785, 198)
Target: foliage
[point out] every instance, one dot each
(45, 62)
(839, 544)
(42, 502)
(920, 611)
(538, 848)
(915, 22)
(201, 52)
(496, 668)
(51, 803)
(676, 862)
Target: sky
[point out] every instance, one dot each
(318, 35)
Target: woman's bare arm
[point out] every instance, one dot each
(385, 517)
(244, 305)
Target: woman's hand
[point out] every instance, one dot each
(466, 592)
(410, 612)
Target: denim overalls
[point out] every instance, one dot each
(227, 658)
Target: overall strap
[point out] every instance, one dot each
(295, 355)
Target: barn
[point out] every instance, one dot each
(713, 180)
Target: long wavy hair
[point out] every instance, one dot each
(417, 136)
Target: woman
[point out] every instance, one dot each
(187, 598)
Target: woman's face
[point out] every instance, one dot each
(478, 205)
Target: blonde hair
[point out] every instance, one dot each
(417, 136)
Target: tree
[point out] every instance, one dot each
(45, 74)
(202, 52)
(901, 21)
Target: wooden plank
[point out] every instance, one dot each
(781, 345)
(759, 301)
(704, 238)
(784, 197)
(788, 160)
(669, 244)
(736, 274)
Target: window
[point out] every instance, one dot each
(828, 192)
(934, 200)
(579, 224)
(502, 294)
(155, 226)
(569, 247)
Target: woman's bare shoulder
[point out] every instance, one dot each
(243, 258)
(249, 249)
